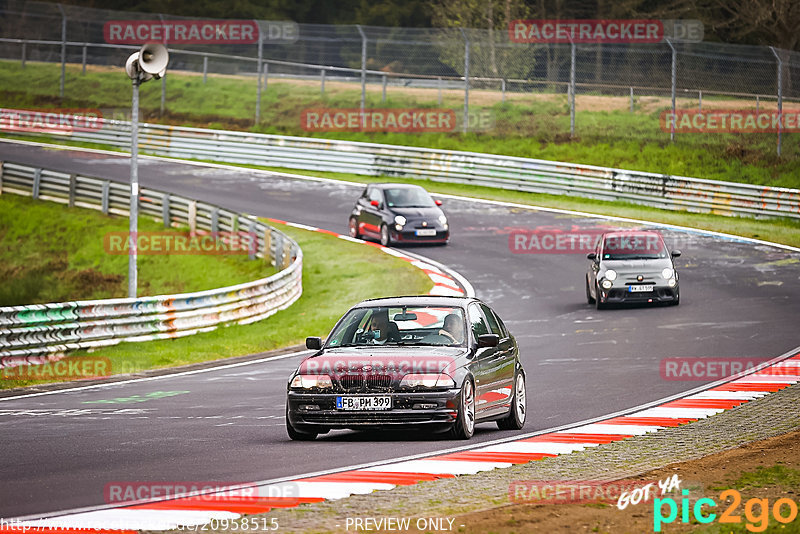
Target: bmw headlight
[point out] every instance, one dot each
(311, 381)
(667, 273)
(611, 274)
(442, 219)
(400, 220)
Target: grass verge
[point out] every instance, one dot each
(52, 253)
(533, 125)
(336, 275)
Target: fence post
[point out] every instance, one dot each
(251, 230)
(363, 73)
(63, 49)
(24, 51)
(572, 90)
(165, 206)
(37, 180)
(383, 96)
(268, 245)
(780, 99)
(83, 59)
(757, 104)
(503, 88)
(674, 77)
(191, 216)
(700, 100)
(215, 221)
(266, 75)
(104, 198)
(72, 184)
(258, 71)
(631, 99)
(439, 78)
(465, 126)
(205, 69)
(322, 81)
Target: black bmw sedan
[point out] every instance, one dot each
(398, 213)
(442, 363)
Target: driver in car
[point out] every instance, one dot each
(382, 329)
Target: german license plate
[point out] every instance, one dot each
(426, 232)
(363, 403)
(640, 289)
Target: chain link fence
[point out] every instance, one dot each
(358, 66)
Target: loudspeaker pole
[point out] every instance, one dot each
(149, 62)
(134, 210)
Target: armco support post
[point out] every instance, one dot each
(37, 180)
(165, 216)
(72, 184)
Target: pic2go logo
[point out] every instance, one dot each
(756, 511)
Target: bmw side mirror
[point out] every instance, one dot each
(438, 202)
(676, 253)
(314, 343)
(591, 256)
(488, 340)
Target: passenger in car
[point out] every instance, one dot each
(453, 328)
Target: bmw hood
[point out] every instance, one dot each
(384, 360)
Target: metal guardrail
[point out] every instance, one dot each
(489, 170)
(32, 334)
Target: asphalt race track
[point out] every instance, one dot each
(59, 451)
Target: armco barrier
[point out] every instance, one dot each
(33, 334)
(504, 172)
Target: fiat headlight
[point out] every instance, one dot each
(399, 220)
(667, 273)
(606, 284)
(442, 219)
(611, 274)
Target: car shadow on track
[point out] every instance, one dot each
(402, 435)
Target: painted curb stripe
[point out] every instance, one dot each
(492, 456)
(166, 515)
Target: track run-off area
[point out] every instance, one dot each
(739, 299)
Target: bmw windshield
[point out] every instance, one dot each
(400, 326)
